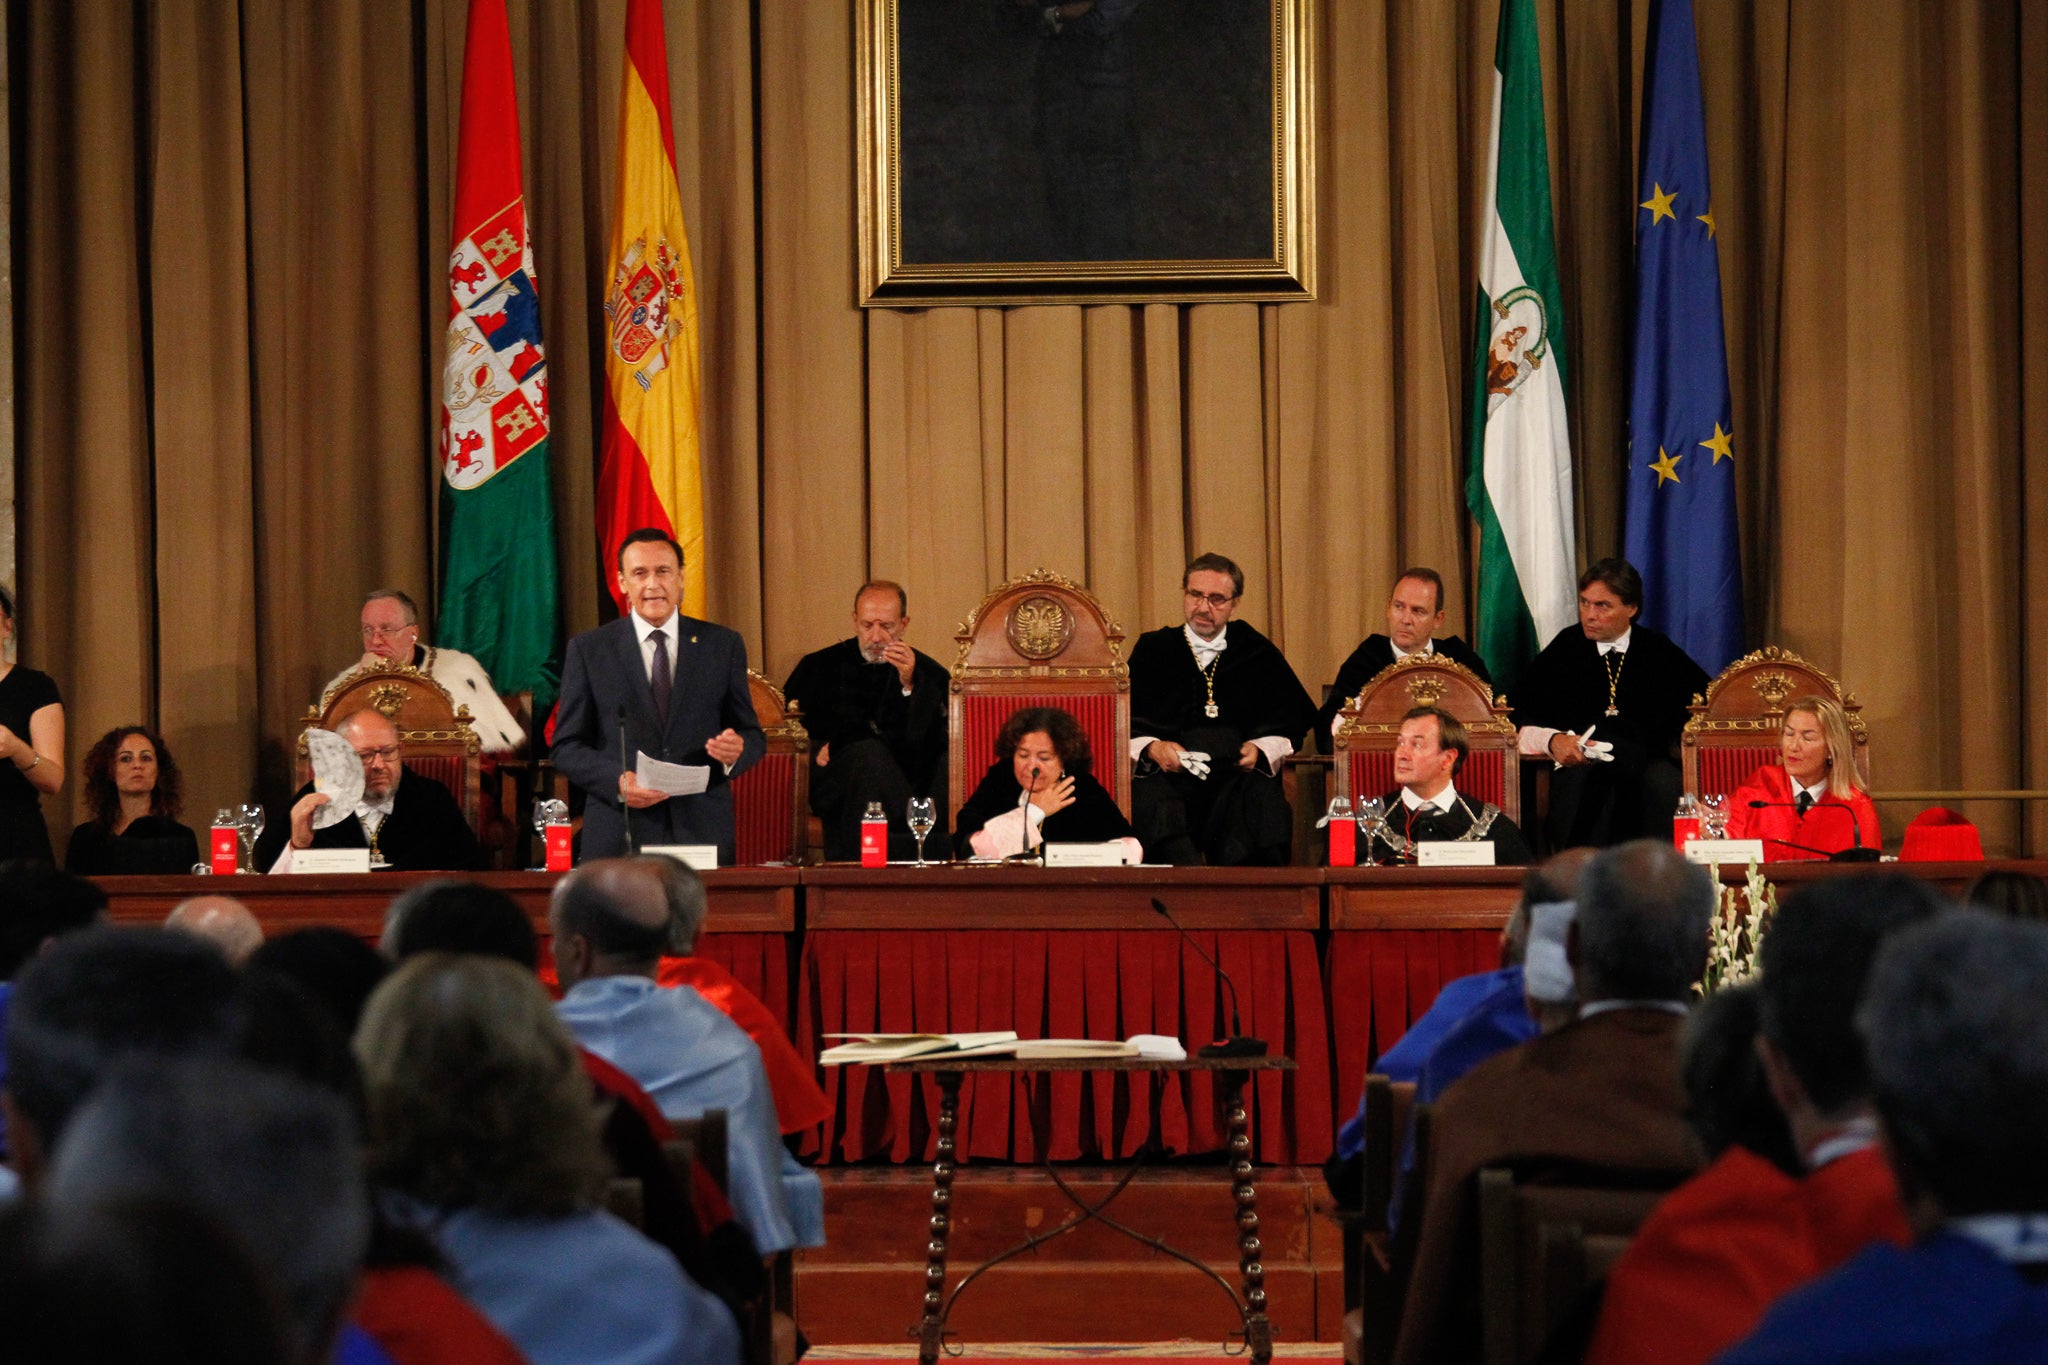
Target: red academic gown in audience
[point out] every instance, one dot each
(799, 1102)
(1714, 1256)
(1829, 825)
(417, 1318)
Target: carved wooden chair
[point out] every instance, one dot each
(771, 800)
(435, 732)
(1040, 640)
(1367, 729)
(1734, 727)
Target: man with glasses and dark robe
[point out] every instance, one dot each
(409, 823)
(1214, 710)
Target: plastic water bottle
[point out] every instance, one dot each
(874, 837)
(1343, 827)
(227, 843)
(1685, 821)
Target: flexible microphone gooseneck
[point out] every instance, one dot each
(1023, 855)
(625, 810)
(1237, 1045)
(1858, 854)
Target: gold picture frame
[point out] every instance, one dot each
(986, 175)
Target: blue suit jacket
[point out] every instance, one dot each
(602, 672)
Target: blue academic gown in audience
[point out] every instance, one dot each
(585, 1289)
(357, 1347)
(1403, 1061)
(1946, 1300)
(689, 1057)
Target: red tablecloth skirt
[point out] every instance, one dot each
(1066, 983)
(761, 962)
(1381, 980)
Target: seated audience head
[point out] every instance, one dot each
(1816, 746)
(1554, 879)
(93, 999)
(449, 915)
(1814, 963)
(1642, 926)
(1415, 609)
(131, 761)
(651, 574)
(1211, 586)
(688, 904)
(143, 1282)
(609, 917)
(1047, 738)
(271, 1160)
(391, 624)
(881, 614)
(283, 1027)
(477, 1095)
(2016, 895)
(222, 921)
(1957, 1042)
(1610, 595)
(1728, 1099)
(339, 969)
(375, 740)
(1430, 751)
(37, 904)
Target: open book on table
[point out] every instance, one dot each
(898, 1047)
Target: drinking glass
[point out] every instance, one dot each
(1372, 816)
(924, 815)
(249, 821)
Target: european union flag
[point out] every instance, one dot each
(1680, 517)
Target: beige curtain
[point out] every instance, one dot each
(233, 220)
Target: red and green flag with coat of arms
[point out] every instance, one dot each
(498, 577)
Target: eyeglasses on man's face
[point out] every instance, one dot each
(1214, 599)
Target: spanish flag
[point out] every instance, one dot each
(649, 474)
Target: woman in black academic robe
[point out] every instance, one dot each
(1045, 749)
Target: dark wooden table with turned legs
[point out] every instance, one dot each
(1232, 1075)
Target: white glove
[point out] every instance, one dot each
(1196, 763)
(1598, 750)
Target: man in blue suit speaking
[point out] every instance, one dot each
(678, 687)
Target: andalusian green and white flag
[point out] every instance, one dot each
(1518, 481)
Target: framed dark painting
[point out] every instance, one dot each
(1092, 151)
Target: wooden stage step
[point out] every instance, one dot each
(866, 1284)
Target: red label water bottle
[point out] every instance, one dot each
(1685, 821)
(874, 837)
(1344, 843)
(559, 839)
(227, 851)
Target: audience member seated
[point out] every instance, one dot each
(1042, 750)
(800, 1102)
(133, 796)
(1425, 805)
(1494, 996)
(1598, 1097)
(142, 1282)
(1415, 613)
(37, 904)
(610, 920)
(1957, 1050)
(876, 712)
(1727, 1244)
(410, 823)
(482, 1133)
(339, 969)
(271, 1160)
(1811, 804)
(92, 999)
(2016, 895)
(223, 921)
(391, 630)
(450, 915)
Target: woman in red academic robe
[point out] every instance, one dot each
(1813, 802)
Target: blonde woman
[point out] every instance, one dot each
(1810, 804)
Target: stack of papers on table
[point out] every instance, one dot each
(865, 1048)
(901, 1047)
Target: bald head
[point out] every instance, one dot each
(375, 740)
(222, 921)
(610, 918)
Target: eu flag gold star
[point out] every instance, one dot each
(1721, 445)
(1659, 204)
(1708, 219)
(1666, 466)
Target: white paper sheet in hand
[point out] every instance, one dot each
(671, 779)
(337, 775)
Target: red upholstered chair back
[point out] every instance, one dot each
(1040, 640)
(1734, 727)
(771, 800)
(1367, 729)
(435, 732)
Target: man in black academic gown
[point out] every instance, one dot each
(413, 823)
(1217, 687)
(1415, 613)
(1427, 805)
(1635, 686)
(876, 712)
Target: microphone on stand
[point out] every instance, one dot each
(1023, 855)
(1236, 1045)
(1858, 854)
(625, 811)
